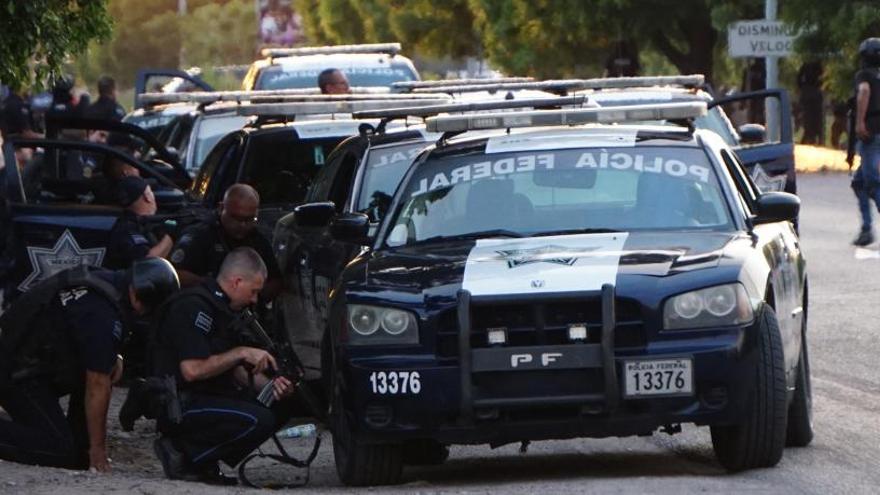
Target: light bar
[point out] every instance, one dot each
(562, 85)
(329, 107)
(239, 96)
(386, 48)
(427, 111)
(458, 82)
(546, 118)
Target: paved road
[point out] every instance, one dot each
(844, 339)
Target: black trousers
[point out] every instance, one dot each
(216, 428)
(39, 432)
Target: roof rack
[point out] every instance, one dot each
(431, 110)
(542, 118)
(565, 85)
(409, 85)
(240, 96)
(315, 107)
(386, 48)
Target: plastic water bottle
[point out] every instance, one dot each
(299, 431)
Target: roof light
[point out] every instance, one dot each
(239, 96)
(546, 118)
(405, 85)
(561, 85)
(386, 48)
(429, 110)
(329, 107)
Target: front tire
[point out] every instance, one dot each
(759, 440)
(800, 412)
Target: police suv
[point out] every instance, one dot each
(556, 277)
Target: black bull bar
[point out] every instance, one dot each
(581, 356)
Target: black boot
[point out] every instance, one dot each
(864, 238)
(173, 462)
(211, 475)
(134, 405)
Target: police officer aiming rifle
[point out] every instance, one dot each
(218, 380)
(63, 338)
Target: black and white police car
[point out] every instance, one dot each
(562, 278)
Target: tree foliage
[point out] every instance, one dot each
(39, 35)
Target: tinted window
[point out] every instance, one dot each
(539, 192)
(385, 168)
(279, 77)
(210, 130)
(281, 166)
(221, 154)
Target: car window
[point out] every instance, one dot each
(385, 168)
(281, 166)
(341, 187)
(747, 191)
(281, 77)
(716, 121)
(210, 131)
(627, 188)
(223, 153)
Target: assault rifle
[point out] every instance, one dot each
(253, 334)
(851, 131)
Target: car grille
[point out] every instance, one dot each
(542, 324)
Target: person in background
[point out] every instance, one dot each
(333, 82)
(866, 180)
(106, 107)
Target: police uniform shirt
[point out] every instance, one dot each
(201, 249)
(195, 329)
(105, 108)
(129, 241)
(94, 324)
(16, 116)
(872, 77)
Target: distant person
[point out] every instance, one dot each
(866, 180)
(63, 102)
(333, 82)
(106, 107)
(16, 117)
(810, 98)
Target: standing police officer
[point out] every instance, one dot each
(202, 248)
(197, 344)
(106, 107)
(866, 180)
(130, 239)
(63, 337)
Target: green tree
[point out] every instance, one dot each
(39, 35)
(215, 34)
(833, 30)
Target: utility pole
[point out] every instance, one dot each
(181, 54)
(771, 107)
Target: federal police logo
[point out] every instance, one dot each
(559, 255)
(204, 322)
(66, 253)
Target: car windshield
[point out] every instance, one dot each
(280, 77)
(210, 130)
(385, 168)
(527, 193)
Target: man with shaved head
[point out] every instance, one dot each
(198, 344)
(202, 248)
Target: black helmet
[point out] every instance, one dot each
(869, 52)
(153, 280)
(61, 88)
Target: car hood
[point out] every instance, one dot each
(542, 264)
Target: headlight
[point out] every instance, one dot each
(397, 326)
(723, 305)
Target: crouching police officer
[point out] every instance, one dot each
(63, 337)
(217, 379)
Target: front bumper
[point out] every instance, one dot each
(482, 399)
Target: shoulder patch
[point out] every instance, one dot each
(178, 255)
(139, 239)
(185, 239)
(204, 322)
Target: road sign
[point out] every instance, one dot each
(760, 38)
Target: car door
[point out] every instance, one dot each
(768, 159)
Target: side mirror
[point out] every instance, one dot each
(777, 207)
(314, 215)
(752, 133)
(353, 228)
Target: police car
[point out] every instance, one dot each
(368, 65)
(562, 278)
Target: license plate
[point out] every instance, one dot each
(658, 377)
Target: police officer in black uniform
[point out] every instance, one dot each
(106, 107)
(217, 377)
(202, 248)
(866, 180)
(16, 117)
(63, 337)
(131, 238)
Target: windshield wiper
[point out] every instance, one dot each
(474, 235)
(576, 231)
